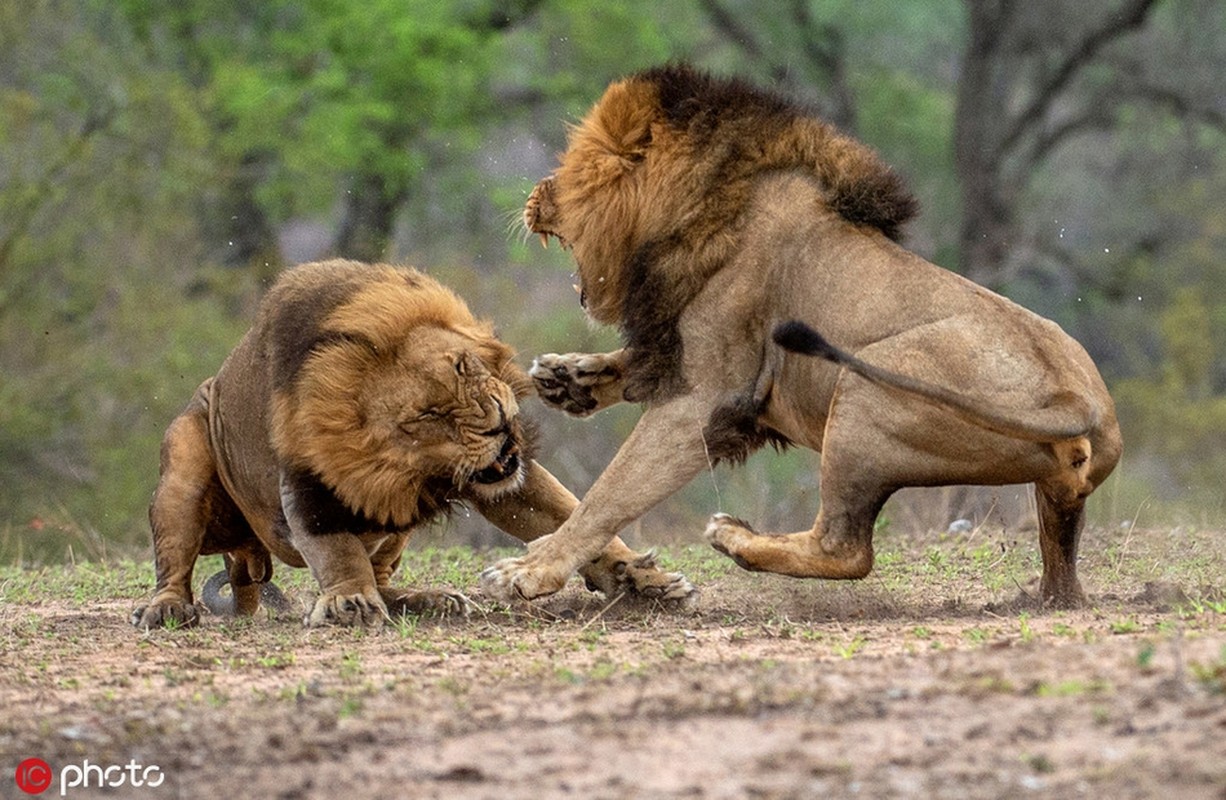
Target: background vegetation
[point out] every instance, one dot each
(160, 162)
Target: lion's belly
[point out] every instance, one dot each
(246, 465)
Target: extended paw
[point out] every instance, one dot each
(513, 579)
(169, 612)
(641, 577)
(429, 602)
(578, 383)
(367, 609)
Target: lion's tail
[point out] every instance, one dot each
(1068, 416)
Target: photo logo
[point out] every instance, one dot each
(34, 776)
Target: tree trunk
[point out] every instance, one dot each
(370, 215)
(251, 239)
(979, 121)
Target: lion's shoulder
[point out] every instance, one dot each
(312, 306)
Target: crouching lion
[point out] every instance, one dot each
(703, 214)
(363, 402)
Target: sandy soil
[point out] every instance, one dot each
(765, 688)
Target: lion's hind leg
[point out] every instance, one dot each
(187, 487)
(1082, 465)
(808, 554)
(1060, 527)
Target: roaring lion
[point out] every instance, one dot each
(704, 215)
(364, 402)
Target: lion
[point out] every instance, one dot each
(707, 217)
(365, 401)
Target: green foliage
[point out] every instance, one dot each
(98, 346)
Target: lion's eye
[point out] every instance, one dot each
(421, 417)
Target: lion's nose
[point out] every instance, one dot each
(501, 415)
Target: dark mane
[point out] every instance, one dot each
(860, 187)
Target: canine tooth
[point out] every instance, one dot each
(578, 289)
(545, 240)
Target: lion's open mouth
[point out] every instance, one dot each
(504, 467)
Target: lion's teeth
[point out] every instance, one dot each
(578, 289)
(545, 240)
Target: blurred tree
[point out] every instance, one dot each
(1034, 78)
(881, 72)
(772, 43)
(1018, 100)
(100, 160)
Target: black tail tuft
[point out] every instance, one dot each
(800, 338)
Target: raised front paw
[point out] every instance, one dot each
(513, 579)
(640, 576)
(428, 602)
(170, 612)
(578, 383)
(366, 609)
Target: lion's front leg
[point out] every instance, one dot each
(663, 453)
(341, 565)
(543, 504)
(618, 570)
(580, 383)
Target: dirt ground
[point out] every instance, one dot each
(926, 680)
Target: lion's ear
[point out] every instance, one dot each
(621, 122)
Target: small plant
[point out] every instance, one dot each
(1145, 657)
(852, 647)
(405, 625)
(351, 666)
(603, 670)
(296, 691)
(1123, 626)
(1039, 763)
(1197, 607)
(1063, 629)
(976, 635)
(1071, 688)
(276, 661)
(350, 707)
(1212, 675)
(1027, 632)
(484, 645)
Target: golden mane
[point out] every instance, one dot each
(341, 350)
